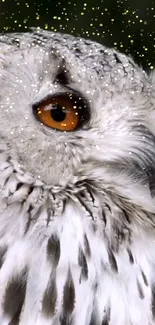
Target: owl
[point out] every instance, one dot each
(77, 183)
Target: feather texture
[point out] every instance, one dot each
(77, 209)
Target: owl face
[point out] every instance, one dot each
(73, 110)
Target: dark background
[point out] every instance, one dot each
(128, 25)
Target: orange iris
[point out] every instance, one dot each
(61, 112)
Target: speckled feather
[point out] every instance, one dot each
(77, 212)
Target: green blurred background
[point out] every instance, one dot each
(127, 25)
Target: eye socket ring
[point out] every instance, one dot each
(62, 111)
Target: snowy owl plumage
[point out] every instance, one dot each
(77, 209)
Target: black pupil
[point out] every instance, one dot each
(58, 113)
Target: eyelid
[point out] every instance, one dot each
(71, 91)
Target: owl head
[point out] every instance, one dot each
(77, 183)
(73, 111)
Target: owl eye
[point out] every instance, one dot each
(64, 112)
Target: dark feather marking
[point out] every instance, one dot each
(117, 58)
(108, 207)
(64, 205)
(140, 290)
(31, 217)
(19, 185)
(87, 247)
(49, 215)
(15, 319)
(15, 294)
(104, 217)
(106, 318)
(86, 208)
(94, 227)
(50, 297)
(150, 173)
(102, 51)
(94, 316)
(16, 42)
(30, 208)
(83, 263)
(28, 223)
(112, 261)
(3, 251)
(68, 296)
(82, 194)
(152, 182)
(77, 51)
(66, 320)
(31, 188)
(53, 250)
(94, 320)
(153, 302)
(144, 278)
(126, 215)
(147, 163)
(131, 259)
(62, 76)
(105, 321)
(91, 195)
